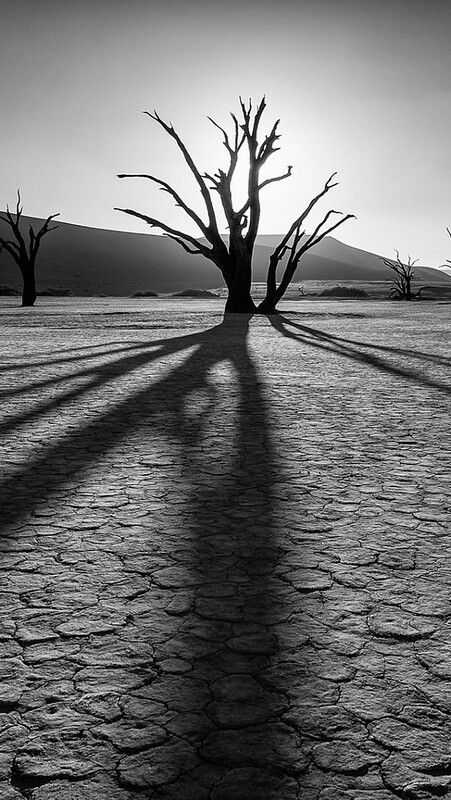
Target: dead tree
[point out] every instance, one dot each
(22, 252)
(234, 258)
(403, 277)
(448, 260)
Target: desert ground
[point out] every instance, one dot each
(226, 562)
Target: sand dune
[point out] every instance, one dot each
(92, 261)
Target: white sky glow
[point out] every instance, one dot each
(360, 87)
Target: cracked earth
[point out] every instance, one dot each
(225, 567)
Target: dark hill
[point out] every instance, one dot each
(90, 261)
(333, 260)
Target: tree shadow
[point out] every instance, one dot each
(73, 359)
(223, 603)
(419, 354)
(353, 349)
(223, 566)
(329, 314)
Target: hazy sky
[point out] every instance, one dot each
(361, 86)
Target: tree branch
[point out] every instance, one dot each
(266, 182)
(183, 244)
(255, 162)
(222, 181)
(178, 200)
(274, 293)
(198, 177)
(14, 223)
(312, 241)
(12, 248)
(171, 232)
(303, 216)
(267, 147)
(276, 178)
(35, 238)
(239, 140)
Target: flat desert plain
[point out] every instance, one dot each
(226, 558)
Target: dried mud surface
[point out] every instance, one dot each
(225, 554)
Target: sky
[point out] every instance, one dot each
(360, 86)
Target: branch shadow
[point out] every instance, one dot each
(226, 631)
(432, 357)
(352, 349)
(222, 603)
(71, 359)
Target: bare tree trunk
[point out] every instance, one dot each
(408, 289)
(239, 300)
(29, 286)
(268, 304)
(274, 294)
(238, 303)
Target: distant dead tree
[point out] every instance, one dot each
(448, 260)
(403, 277)
(22, 252)
(234, 259)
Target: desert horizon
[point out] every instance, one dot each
(87, 261)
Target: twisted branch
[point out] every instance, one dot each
(298, 247)
(165, 187)
(213, 226)
(172, 233)
(18, 249)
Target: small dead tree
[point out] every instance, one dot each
(22, 252)
(234, 259)
(448, 260)
(403, 277)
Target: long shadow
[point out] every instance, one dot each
(350, 349)
(72, 359)
(90, 346)
(105, 431)
(228, 633)
(228, 630)
(432, 357)
(99, 375)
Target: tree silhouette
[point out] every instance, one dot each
(448, 260)
(23, 253)
(403, 276)
(234, 259)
